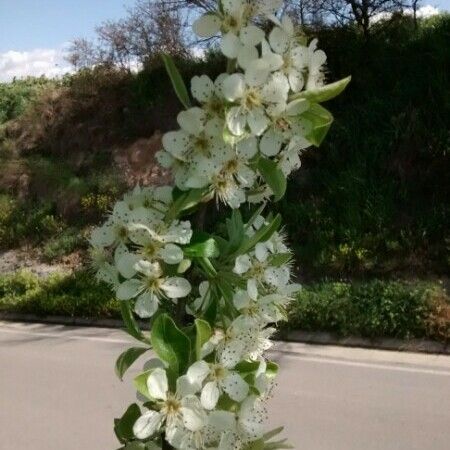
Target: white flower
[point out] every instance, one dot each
(157, 240)
(287, 127)
(259, 310)
(150, 287)
(257, 266)
(252, 93)
(234, 15)
(312, 62)
(199, 145)
(178, 411)
(237, 429)
(218, 379)
(209, 94)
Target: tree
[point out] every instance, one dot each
(150, 28)
(361, 12)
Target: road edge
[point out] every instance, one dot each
(319, 338)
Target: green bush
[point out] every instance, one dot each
(17, 95)
(63, 244)
(373, 309)
(74, 294)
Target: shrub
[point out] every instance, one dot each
(68, 241)
(374, 309)
(74, 294)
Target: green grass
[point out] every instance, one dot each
(369, 309)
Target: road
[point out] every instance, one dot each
(58, 391)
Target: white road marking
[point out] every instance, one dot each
(62, 335)
(302, 356)
(343, 362)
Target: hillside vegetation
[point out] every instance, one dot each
(372, 202)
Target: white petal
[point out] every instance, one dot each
(257, 121)
(176, 287)
(207, 25)
(165, 159)
(277, 88)
(251, 417)
(230, 45)
(128, 289)
(232, 7)
(241, 300)
(198, 372)
(192, 120)
(277, 276)
(222, 420)
(274, 60)
(246, 55)
(186, 387)
(202, 88)
(171, 254)
(279, 40)
(236, 121)
(232, 353)
(242, 264)
(176, 143)
(247, 148)
(257, 72)
(194, 416)
(271, 142)
(147, 425)
(103, 236)
(125, 263)
(261, 251)
(252, 289)
(210, 395)
(296, 80)
(235, 387)
(146, 305)
(157, 384)
(251, 35)
(233, 87)
(318, 59)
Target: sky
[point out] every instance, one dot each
(34, 33)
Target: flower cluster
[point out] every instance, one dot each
(248, 115)
(136, 250)
(220, 401)
(208, 388)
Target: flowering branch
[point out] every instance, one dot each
(209, 384)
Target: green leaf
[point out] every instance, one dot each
(273, 176)
(131, 325)
(140, 383)
(235, 229)
(171, 344)
(262, 235)
(202, 245)
(272, 369)
(127, 358)
(177, 81)
(185, 201)
(255, 215)
(321, 120)
(270, 434)
(203, 333)
(279, 259)
(323, 93)
(123, 427)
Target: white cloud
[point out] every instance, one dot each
(423, 13)
(37, 62)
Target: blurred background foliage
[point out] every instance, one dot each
(372, 202)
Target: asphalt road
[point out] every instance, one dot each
(58, 391)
